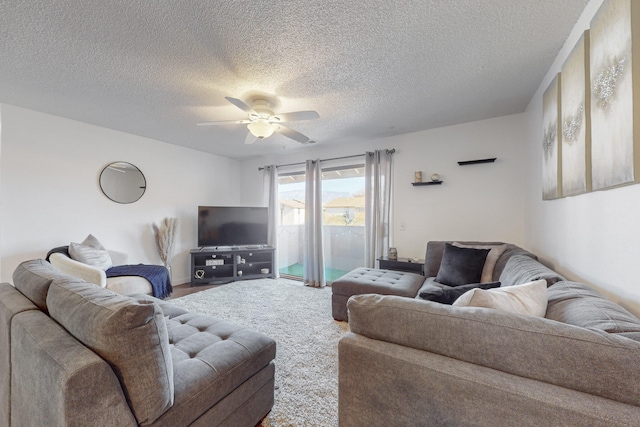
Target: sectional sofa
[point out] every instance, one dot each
(408, 361)
(76, 354)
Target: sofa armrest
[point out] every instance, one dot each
(78, 269)
(12, 302)
(58, 381)
(590, 361)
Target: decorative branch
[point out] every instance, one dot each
(165, 234)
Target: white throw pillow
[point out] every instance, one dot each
(492, 257)
(528, 299)
(90, 252)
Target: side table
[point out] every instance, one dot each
(401, 264)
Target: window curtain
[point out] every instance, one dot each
(313, 254)
(271, 195)
(378, 169)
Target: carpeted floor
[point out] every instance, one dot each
(299, 319)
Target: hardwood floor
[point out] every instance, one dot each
(186, 289)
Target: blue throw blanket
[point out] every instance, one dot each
(157, 275)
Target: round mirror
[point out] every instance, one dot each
(122, 182)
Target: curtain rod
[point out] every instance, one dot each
(389, 151)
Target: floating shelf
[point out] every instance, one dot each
(475, 162)
(426, 183)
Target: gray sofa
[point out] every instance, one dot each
(75, 354)
(387, 282)
(412, 362)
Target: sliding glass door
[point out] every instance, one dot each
(291, 195)
(342, 220)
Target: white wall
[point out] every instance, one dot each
(50, 195)
(1, 201)
(592, 237)
(479, 202)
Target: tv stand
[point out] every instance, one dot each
(218, 265)
(230, 248)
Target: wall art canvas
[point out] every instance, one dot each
(614, 150)
(551, 150)
(575, 110)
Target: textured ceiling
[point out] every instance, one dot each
(369, 68)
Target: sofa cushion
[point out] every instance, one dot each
(522, 269)
(461, 266)
(57, 381)
(33, 279)
(577, 304)
(130, 335)
(90, 252)
(168, 309)
(529, 299)
(447, 295)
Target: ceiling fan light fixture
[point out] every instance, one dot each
(262, 129)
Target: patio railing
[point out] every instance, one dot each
(343, 246)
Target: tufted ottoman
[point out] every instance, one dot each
(372, 281)
(217, 361)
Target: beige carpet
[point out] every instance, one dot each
(299, 319)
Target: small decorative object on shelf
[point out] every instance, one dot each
(418, 176)
(435, 177)
(475, 162)
(393, 253)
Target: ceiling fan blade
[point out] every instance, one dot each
(224, 122)
(295, 116)
(293, 134)
(250, 138)
(240, 104)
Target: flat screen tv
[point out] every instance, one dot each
(232, 226)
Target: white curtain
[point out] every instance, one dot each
(271, 195)
(378, 168)
(313, 254)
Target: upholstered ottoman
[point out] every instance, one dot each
(372, 281)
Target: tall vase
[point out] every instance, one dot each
(168, 267)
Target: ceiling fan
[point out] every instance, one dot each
(262, 122)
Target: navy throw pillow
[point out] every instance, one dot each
(449, 295)
(61, 249)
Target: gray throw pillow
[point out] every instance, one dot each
(90, 252)
(130, 335)
(461, 266)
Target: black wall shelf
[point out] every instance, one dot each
(426, 183)
(475, 162)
